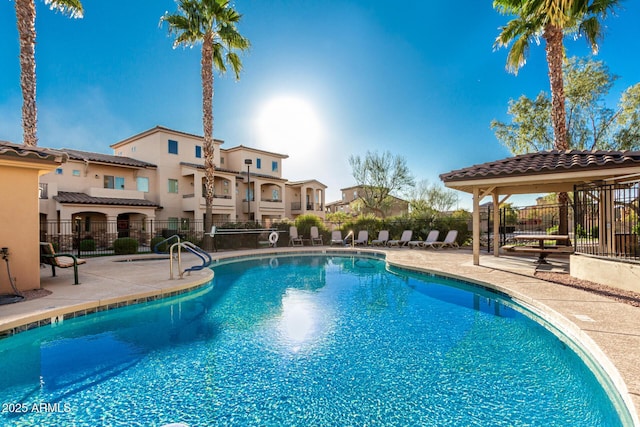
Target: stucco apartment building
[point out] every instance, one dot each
(157, 177)
(350, 203)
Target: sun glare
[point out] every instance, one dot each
(286, 124)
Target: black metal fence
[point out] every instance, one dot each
(607, 220)
(89, 237)
(538, 219)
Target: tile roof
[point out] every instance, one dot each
(106, 158)
(85, 199)
(36, 153)
(545, 162)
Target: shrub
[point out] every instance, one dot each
(155, 241)
(552, 230)
(306, 221)
(125, 246)
(87, 245)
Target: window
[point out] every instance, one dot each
(114, 182)
(172, 223)
(133, 149)
(76, 172)
(142, 184)
(275, 195)
(173, 185)
(59, 171)
(222, 160)
(198, 152)
(274, 166)
(173, 147)
(258, 163)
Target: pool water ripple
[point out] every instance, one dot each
(315, 340)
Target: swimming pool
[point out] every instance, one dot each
(305, 340)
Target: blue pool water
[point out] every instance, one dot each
(307, 340)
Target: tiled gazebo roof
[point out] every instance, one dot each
(85, 199)
(546, 162)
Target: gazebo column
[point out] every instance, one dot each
(496, 223)
(476, 226)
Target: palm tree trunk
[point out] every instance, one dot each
(26, 18)
(207, 125)
(554, 49)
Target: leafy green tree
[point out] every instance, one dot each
(26, 19)
(428, 198)
(212, 23)
(591, 123)
(551, 20)
(379, 177)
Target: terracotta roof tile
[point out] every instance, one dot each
(106, 158)
(85, 199)
(38, 153)
(545, 162)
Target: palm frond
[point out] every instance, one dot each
(73, 8)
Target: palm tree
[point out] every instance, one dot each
(26, 18)
(212, 23)
(551, 19)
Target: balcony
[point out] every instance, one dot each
(192, 203)
(113, 193)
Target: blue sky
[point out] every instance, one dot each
(420, 79)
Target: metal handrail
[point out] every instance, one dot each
(204, 256)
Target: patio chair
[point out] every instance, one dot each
(336, 238)
(363, 238)
(316, 238)
(404, 239)
(383, 238)
(294, 239)
(449, 240)
(431, 237)
(49, 256)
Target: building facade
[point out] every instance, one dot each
(157, 179)
(351, 204)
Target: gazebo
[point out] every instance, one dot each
(545, 172)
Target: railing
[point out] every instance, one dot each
(608, 220)
(296, 206)
(538, 219)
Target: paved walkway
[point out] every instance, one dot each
(608, 329)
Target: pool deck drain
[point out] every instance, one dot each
(610, 330)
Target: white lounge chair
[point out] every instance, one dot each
(449, 240)
(363, 238)
(336, 238)
(294, 239)
(431, 237)
(404, 239)
(383, 238)
(316, 238)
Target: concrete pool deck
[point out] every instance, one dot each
(609, 330)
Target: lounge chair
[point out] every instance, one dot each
(336, 238)
(404, 239)
(294, 239)
(363, 238)
(449, 240)
(49, 256)
(431, 237)
(383, 238)
(316, 238)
